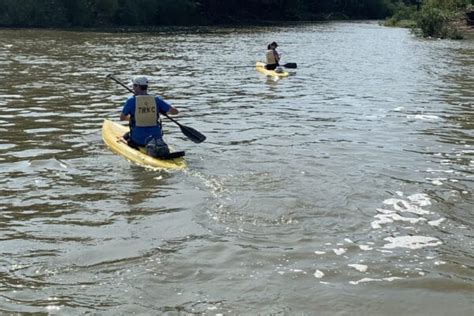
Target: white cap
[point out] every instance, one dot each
(140, 80)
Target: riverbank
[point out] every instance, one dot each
(436, 23)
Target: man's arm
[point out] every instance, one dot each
(125, 109)
(163, 105)
(124, 117)
(277, 56)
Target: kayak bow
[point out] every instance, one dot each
(260, 67)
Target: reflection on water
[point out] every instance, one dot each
(347, 184)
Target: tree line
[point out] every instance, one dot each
(110, 13)
(438, 18)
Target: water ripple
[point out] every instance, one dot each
(352, 174)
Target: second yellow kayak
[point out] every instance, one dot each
(260, 67)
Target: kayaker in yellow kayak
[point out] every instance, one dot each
(273, 57)
(142, 110)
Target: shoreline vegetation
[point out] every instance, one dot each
(451, 19)
(445, 19)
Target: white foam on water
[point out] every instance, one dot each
(420, 198)
(318, 274)
(384, 211)
(417, 201)
(390, 279)
(320, 252)
(365, 247)
(391, 201)
(410, 208)
(53, 308)
(437, 222)
(340, 251)
(411, 242)
(359, 267)
(298, 271)
(424, 117)
(437, 181)
(439, 170)
(413, 204)
(390, 218)
(377, 224)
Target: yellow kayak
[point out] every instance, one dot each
(260, 67)
(112, 135)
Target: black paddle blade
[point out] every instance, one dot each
(192, 134)
(176, 154)
(290, 65)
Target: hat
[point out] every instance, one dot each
(140, 80)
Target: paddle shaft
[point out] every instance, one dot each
(120, 83)
(287, 65)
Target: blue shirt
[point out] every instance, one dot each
(140, 134)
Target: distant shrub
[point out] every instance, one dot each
(431, 21)
(404, 15)
(449, 5)
(436, 22)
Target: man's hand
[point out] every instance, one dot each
(173, 111)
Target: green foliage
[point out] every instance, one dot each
(181, 12)
(374, 9)
(437, 16)
(404, 14)
(447, 5)
(151, 12)
(432, 21)
(30, 13)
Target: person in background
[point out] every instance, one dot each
(273, 57)
(142, 110)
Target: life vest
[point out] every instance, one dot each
(146, 114)
(271, 57)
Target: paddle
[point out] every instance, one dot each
(290, 65)
(190, 132)
(287, 65)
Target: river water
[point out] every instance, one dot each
(344, 189)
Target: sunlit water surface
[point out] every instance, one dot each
(346, 188)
